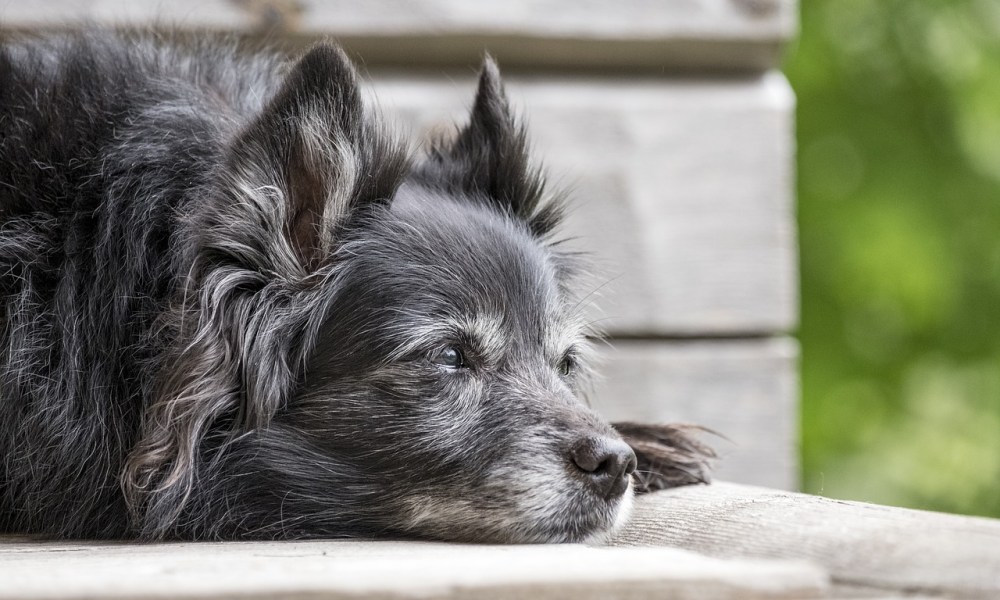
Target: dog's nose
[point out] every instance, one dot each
(605, 463)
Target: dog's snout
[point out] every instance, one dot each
(605, 463)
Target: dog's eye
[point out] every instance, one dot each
(450, 357)
(566, 366)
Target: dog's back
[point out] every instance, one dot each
(102, 139)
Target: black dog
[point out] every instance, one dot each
(234, 307)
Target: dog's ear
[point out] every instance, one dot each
(310, 160)
(668, 455)
(251, 303)
(489, 159)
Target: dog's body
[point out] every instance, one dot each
(233, 306)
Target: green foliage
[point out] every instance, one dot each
(899, 215)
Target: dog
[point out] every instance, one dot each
(236, 305)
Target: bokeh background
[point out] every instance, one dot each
(899, 214)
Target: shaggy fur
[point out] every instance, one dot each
(234, 306)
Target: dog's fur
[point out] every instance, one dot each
(227, 290)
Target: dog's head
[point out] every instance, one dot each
(372, 345)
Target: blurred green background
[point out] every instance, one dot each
(899, 214)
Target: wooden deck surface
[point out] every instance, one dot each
(368, 569)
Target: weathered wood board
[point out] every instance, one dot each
(630, 34)
(359, 569)
(745, 390)
(870, 551)
(680, 190)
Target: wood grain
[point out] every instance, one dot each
(360, 569)
(877, 551)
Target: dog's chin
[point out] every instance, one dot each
(541, 517)
(599, 526)
(622, 516)
(589, 520)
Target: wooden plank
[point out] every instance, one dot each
(745, 390)
(681, 190)
(360, 569)
(630, 33)
(869, 550)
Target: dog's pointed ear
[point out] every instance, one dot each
(489, 159)
(299, 171)
(668, 455)
(491, 116)
(314, 157)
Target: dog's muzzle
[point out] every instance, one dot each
(605, 464)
